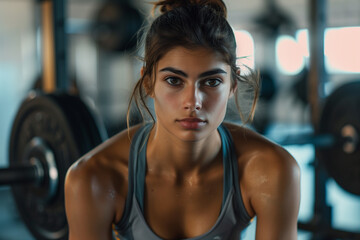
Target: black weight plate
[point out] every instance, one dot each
(91, 132)
(116, 26)
(52, 119)
(342, 108)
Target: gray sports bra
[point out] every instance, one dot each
(233, 217)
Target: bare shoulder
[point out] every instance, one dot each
(100, 177)
(265, 168)
(252, 147)
(110, 157)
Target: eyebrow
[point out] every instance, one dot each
(201, 75)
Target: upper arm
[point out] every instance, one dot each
(89, 205)
(96, 189)
(276, 196)
(270, 184)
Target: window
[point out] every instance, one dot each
(341, 51)
(290, 54)
(245, 49)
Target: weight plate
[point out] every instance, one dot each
(93, 131)
(341, 118)
(63, 130)
(116, 26)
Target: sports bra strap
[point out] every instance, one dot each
(140, 165)
(244, 216)
(135, 150)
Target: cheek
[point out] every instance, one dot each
(166, 100)
(170, 100)
(216, 102)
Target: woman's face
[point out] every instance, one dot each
(192, 88)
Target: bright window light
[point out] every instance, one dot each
(302, 37)
(342, 50)
(289, 55)
(245, 49)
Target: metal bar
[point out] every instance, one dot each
(60, 43)
(15, 175)
(48, 55)
(321, 140)
(317, 77)
(328, 232)
(317, 73)
(55, 69)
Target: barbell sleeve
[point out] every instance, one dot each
(19, 174)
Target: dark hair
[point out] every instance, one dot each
(190, 24)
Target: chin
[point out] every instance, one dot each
(194, 135)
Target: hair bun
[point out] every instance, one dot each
(168, 5)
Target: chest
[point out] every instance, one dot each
(184, 209)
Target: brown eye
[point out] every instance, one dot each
(173, 81)
(212, 82)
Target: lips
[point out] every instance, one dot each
(191, 123)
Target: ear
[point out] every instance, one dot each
(147, 83)
(142, 71)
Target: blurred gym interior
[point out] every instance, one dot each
(308, 56)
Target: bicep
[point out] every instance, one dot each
(277, 205)
(89, 214)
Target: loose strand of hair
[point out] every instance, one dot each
(253, 80)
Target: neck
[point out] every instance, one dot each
(168, 154)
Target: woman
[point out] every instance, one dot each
(188, 175)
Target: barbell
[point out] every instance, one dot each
(51, 131)
(337, 142)
(341, 119)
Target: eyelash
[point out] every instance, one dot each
(218, 82)
(168, 80)
(204, 82)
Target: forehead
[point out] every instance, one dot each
(197, 59)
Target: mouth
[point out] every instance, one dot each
(191, 119)
(191, 123)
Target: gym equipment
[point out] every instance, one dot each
(341, 119)
(337, 117)
(337, 142)
(49, 133)
(337, 156)
(51, 130)
(268, 85)
(116, 26)
(274, 18)
(268, 90)
(300, 87)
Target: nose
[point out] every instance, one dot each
(193, 98)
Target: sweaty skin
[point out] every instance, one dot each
(184, 167)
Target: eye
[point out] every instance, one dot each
(173, 81)
(213, 82)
